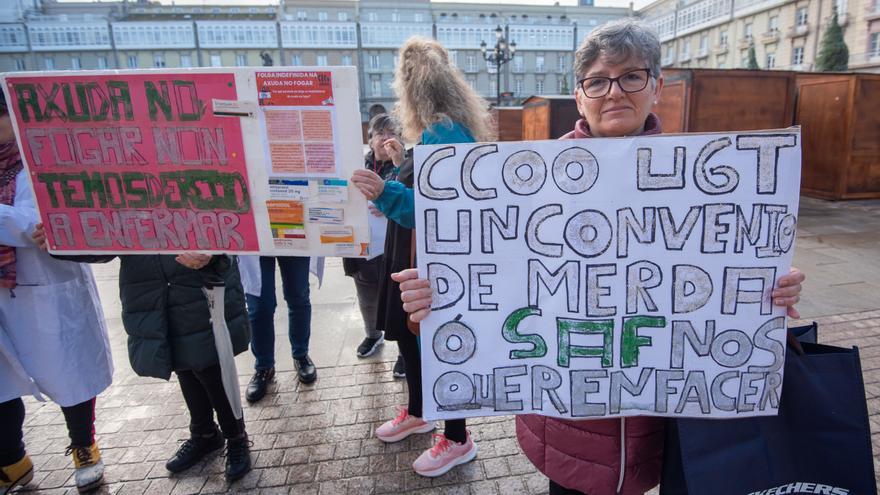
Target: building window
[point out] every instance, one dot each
(342, 16)
(158, 60)
(773, 24)
(240, 59)
(539, 87)
(374, 62)
(346, 60)
(321, 60)
(75, 63)
(560, 64)
(539, 63)
(372, 17)
(419, 18)
(722, 65)
(48, 63)
(296, 59)
(685, 48)
(841, 7)
(770, 61)
(186, 60)
(376, 87)
(744, 59)
(302, 15)
(471, 63)
(472, 82)
(873, 45)
(670, 53)
(132, 61)
(704, 43)
(518, 63)
(395, 17)
(560, 81)
(797, 55)
(322, 16)
(518, 86)
(102, 62)
(215, 60)
(800, 16)
(722, 37)
(747, 31)
(20, 64)
(493, 87)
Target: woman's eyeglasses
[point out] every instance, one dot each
(630, 82)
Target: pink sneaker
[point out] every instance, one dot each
(402, 426)
(444, 455)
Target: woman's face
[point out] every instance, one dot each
(376, 141)
(618, 113)
(6, 132)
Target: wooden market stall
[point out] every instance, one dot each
(707, 100)
(509, 123)
(548, 116)
(839, 115)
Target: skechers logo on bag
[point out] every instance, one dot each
(800, 487)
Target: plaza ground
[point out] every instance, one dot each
(318, 439)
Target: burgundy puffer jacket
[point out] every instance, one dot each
(587, 455)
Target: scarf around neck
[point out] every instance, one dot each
(10, 166)
(582, 128)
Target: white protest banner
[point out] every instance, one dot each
(233, 160)
(606, 277)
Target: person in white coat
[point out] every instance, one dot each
(53, 338)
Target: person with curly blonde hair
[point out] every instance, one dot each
(436, 106)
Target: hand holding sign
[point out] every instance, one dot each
(368, 183)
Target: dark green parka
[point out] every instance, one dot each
(166, 315)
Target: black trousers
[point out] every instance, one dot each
(80, 421)
(455, 429)
(557, 489)
(204, 395)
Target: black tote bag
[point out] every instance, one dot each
(820, 442)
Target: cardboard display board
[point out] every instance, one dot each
(232, 160)
(606, 277)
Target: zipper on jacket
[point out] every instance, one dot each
(622, 454)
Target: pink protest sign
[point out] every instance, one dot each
(135, 162)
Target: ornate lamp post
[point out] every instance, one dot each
(499, 55)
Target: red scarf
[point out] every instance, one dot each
(10, 166)
(582, 128)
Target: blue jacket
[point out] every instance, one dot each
(397, 202)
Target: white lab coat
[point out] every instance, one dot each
(53, 337)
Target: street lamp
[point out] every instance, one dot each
(499, 55)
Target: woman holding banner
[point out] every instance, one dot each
(53, 340)
(618, 72)
(436, 106)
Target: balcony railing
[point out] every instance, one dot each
(771, 36)
(703, 53)
(798, 30)
(872, 11)
(684, 57)
(667, 61)
(720, 49)
(745, 42)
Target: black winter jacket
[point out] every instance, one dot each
(166, 314)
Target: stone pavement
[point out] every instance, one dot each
(319, 439)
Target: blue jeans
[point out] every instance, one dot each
(261, 310)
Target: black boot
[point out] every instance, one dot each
(194, 450)
(256, 389)
(305, 369)
(238, 457)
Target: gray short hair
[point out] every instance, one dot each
(618, 41)
(380, 123)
